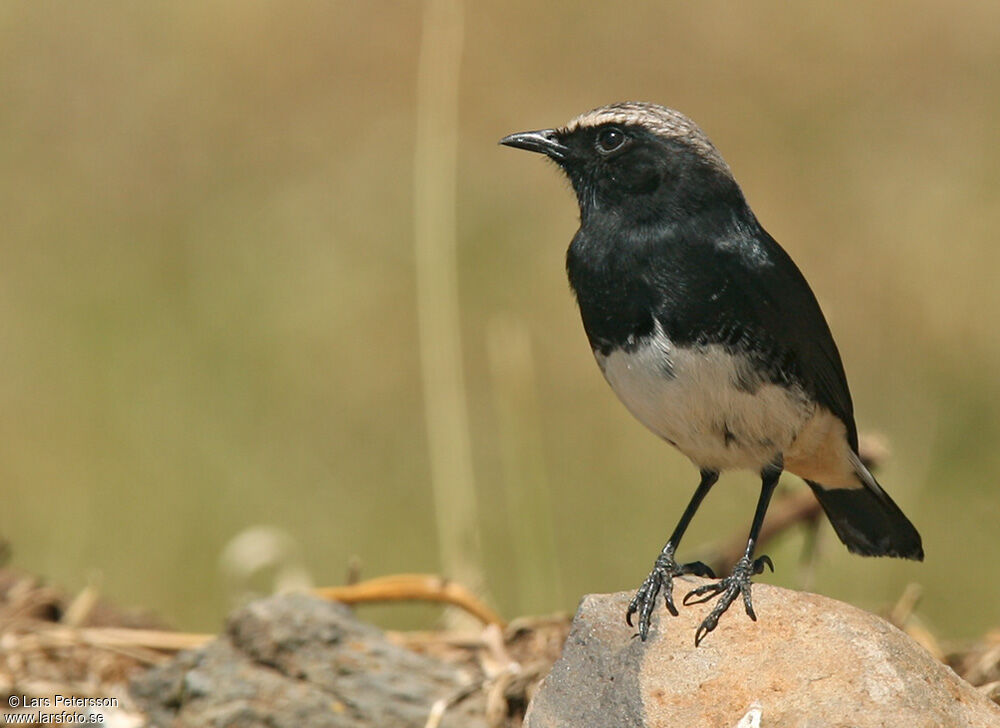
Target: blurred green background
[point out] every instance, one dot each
(207, 286)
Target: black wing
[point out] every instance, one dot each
(742, 290)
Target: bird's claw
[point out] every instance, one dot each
(698, 568)
(736, 584)
(758, 564)
(661, 578)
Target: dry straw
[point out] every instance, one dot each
(434, 238)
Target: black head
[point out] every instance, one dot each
(641, 163)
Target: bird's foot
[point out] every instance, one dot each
(661, 577)
(727, 589)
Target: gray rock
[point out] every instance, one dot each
(808, 662)
(299, 662)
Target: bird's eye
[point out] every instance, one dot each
(610, 139)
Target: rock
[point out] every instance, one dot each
(296, 661)
(808, 661)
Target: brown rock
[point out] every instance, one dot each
(808, 662)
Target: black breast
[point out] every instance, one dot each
(718, 280)
(616, 301)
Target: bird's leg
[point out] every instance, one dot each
(738, 583)
(665, 568)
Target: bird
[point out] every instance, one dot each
(710, 336)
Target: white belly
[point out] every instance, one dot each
(707, 402)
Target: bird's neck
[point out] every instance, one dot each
(611, 235)
(620, 270)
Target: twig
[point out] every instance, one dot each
(112, 638)
(81, 606)
(412, 587)
(902, 615)
(785, 513)
(440, 706)
(420, 639)
(905, 605)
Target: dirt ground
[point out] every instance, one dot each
(84, 650)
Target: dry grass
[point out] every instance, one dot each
(41, 654)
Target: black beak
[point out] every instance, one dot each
(545, 141)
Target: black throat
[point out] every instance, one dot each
(628, 277)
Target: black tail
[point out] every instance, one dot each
(868, 522)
